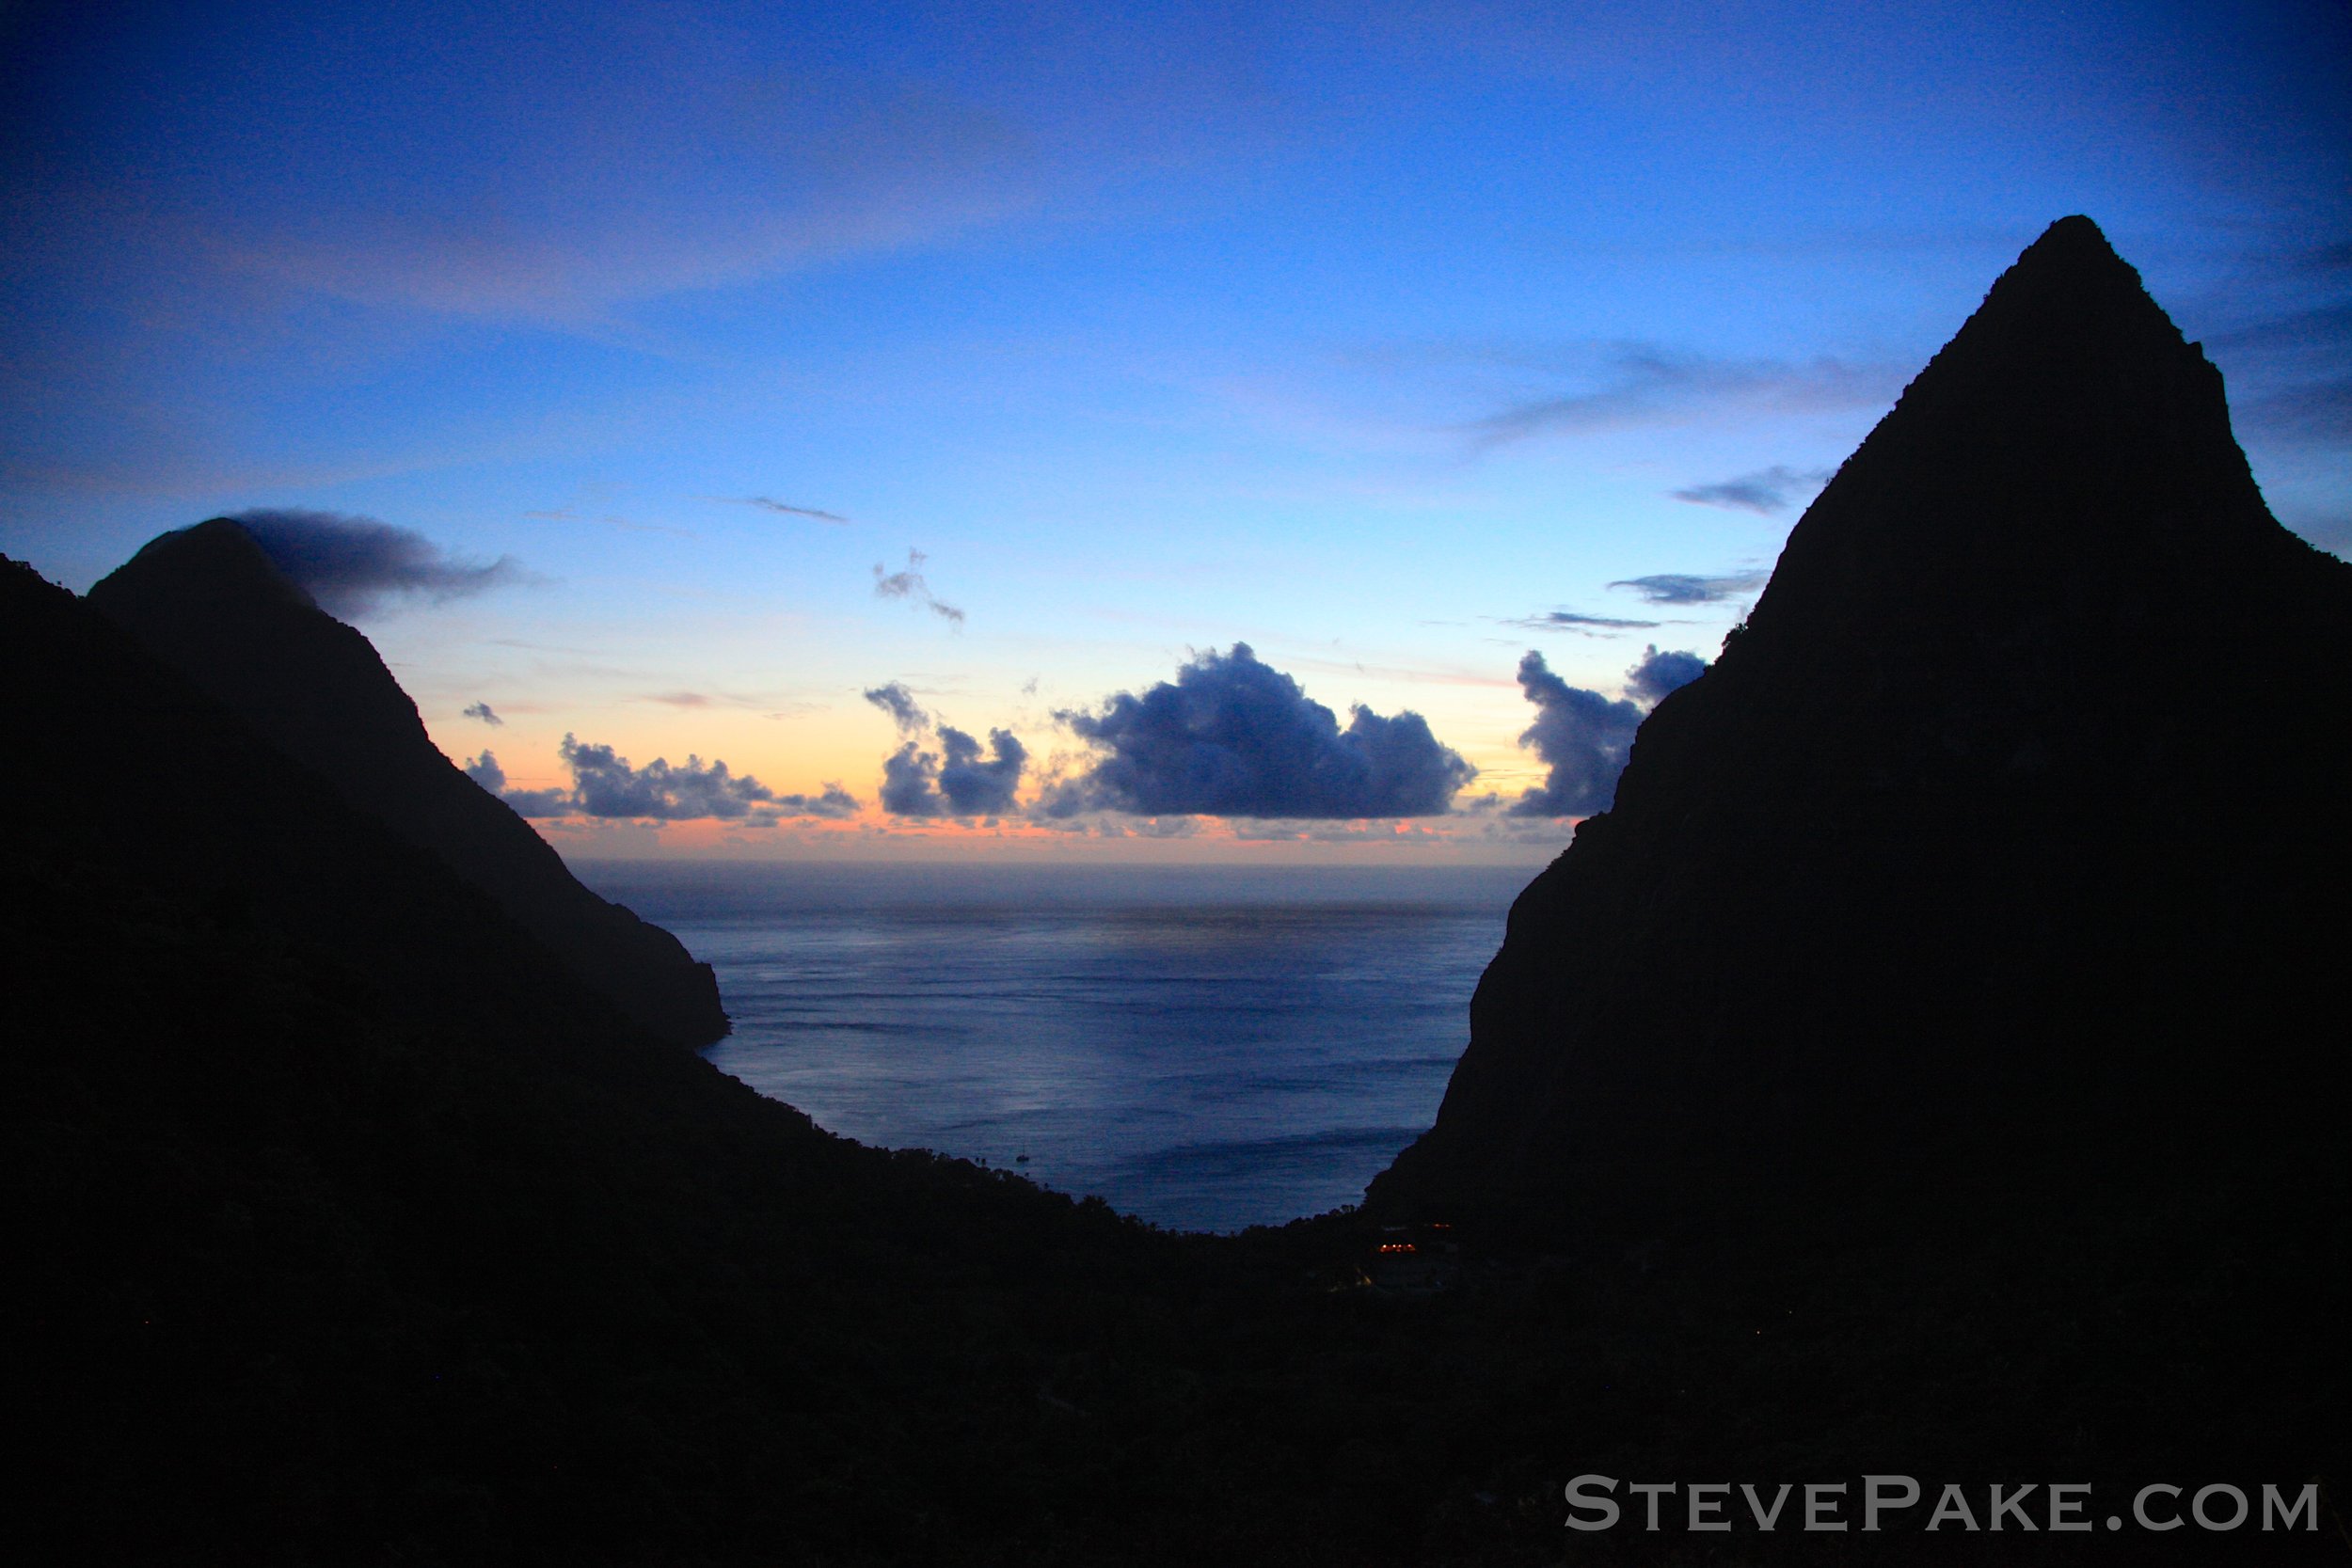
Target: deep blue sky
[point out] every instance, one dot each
(1369, 336)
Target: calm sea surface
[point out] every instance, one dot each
(1207, 1048)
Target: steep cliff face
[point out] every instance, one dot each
(2004, 844)
(209, 603)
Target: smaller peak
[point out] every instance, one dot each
(217, 558)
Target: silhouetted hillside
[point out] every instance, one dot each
(208, 602)
(2001, 856)
(347, 1225)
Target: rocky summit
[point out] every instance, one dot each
(2000, 856)
(211, 604)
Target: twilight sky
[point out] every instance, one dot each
(964, 410)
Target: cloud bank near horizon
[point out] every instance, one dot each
(606, 786)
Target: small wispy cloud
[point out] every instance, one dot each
(897, 701)
(1763, 492)
(1681, 588)
(769, 503)
(912, 586)
(483, 711)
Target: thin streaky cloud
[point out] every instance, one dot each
(1642, 384)
(769, 503)
(1683, 588)
(1569, 620)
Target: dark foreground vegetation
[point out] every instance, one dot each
(346, 1224)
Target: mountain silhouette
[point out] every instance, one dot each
(2002, 851)
(211, 604)
(348, 1224)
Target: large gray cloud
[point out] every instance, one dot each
(1231, 736)
(955, 781)
(1581, 736)
(355, 565)
(1660, 674)
(604, 785)
(1584, 738)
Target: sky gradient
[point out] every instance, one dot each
(715, 367)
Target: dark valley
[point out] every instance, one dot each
(1918, 1070)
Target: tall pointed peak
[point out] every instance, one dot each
(2072, 241)
(2067, 434)
(2035, 722)
(2069, 288)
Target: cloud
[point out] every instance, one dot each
(834, 802)
(910, 585)
(353, 566)
(953, 781)
(485, 771)
(681, 699)
(604, 785)
(976, 788)
(788, 510)
(1581, 736)
(1660, 674)
(898, 701)
(1678, 588)
(1233, 737)
(1648, 384)
(1584, 738)
(917, 782)
(1764, 492)
(483, 711)
(1569, 620)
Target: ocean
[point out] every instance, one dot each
(1207, 1048)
